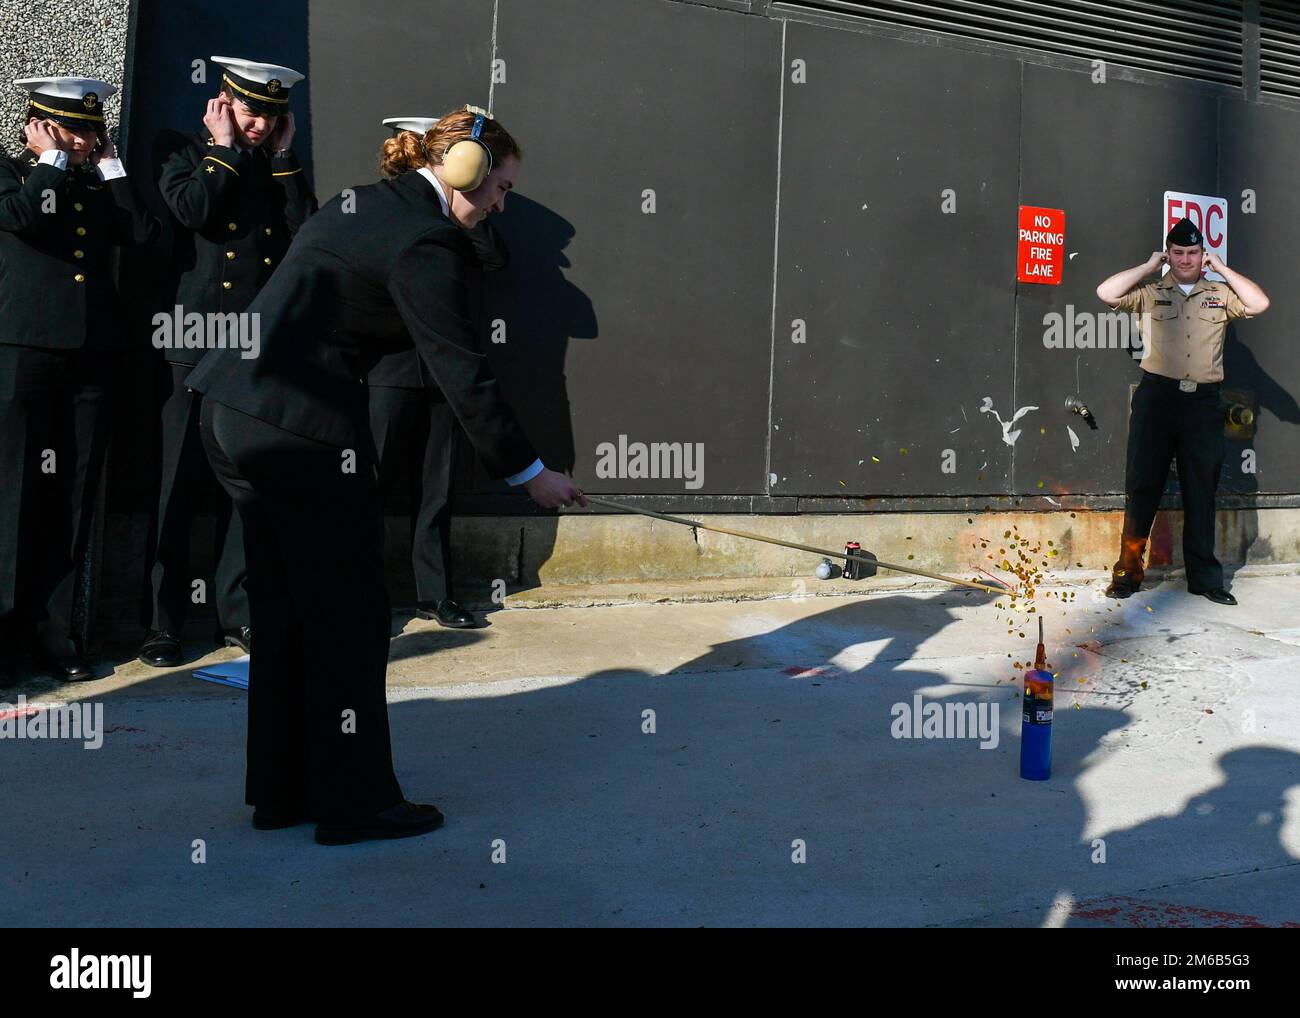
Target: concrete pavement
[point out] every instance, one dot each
(1175, 798)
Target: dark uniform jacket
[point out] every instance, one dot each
(237, 211)
(354, 287)
(56, 285)
(402, 369)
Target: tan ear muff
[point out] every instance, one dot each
(467, 163)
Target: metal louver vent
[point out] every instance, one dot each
(1199, 39)
(1279, 48)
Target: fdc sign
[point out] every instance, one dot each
(1210, 216)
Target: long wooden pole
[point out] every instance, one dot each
(988, 588)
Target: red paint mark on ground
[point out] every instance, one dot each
(1122, 911)
(13, 715)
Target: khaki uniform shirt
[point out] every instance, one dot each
(1182, 335)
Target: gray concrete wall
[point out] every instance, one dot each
(44, 38)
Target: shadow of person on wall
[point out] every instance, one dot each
(540, 311)
(1245, 377)
(529, 314)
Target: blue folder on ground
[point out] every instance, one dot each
(227, 673)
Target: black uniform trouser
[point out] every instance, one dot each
(186, 474)
(1187, 427)
(318, 741)
(415, 434)
(54, 426)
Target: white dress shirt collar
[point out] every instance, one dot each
(428, 175)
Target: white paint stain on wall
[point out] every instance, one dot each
(1008, 435)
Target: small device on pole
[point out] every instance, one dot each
(862, 560)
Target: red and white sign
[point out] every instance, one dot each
(1041, 253)
(1210, 216)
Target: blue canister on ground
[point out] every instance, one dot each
(1036, 719)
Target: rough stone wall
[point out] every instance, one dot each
(43, 38)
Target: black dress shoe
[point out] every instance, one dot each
(241, 638)
(1218, 595)
(1120, 590)
(405, 820)
(65, 669)
(161, 649)
(274, 820)
(446, 613)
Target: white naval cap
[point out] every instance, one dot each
(70, 101)
(418, 125)
(262, 87)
